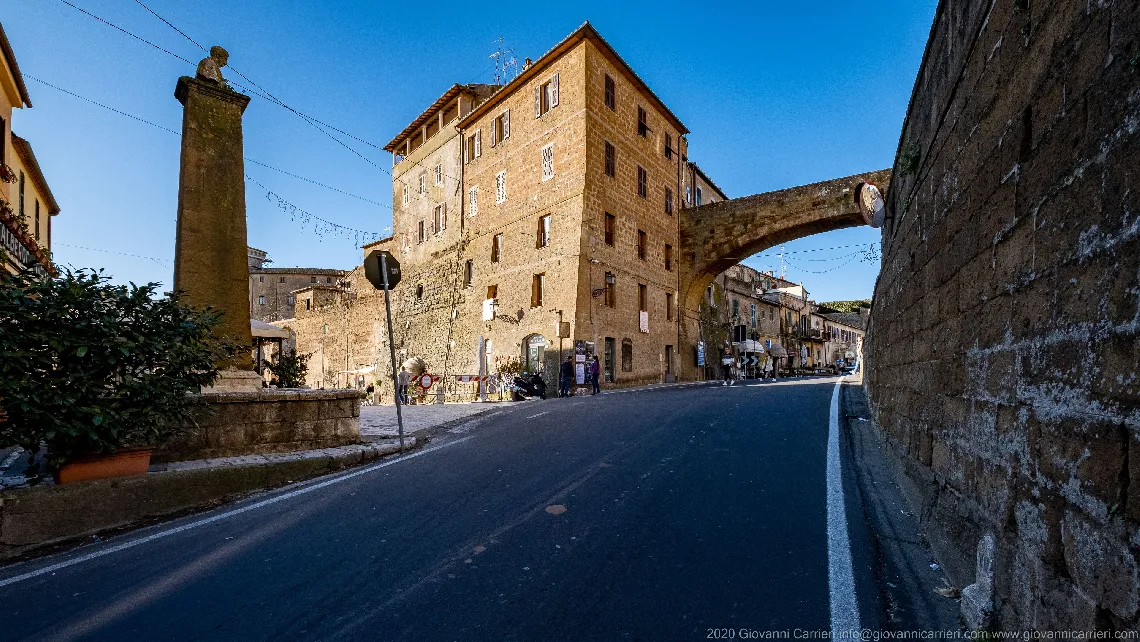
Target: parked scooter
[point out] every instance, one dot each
(528, 386)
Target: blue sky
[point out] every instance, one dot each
(776, 94)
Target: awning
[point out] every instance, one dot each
(360, 371)
(778, 351)
(266, 331)
(748, 345)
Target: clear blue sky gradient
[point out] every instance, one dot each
(777, 94)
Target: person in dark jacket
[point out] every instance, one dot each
(595, 374)
(566, 375)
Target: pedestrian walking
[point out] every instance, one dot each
(726, 363)
(595, 374)
(566, 375)
(402, 380)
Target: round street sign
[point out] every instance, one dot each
(426, 380)
(373, 273)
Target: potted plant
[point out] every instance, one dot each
(289, 370)
(98, 373)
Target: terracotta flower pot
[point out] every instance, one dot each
(128, 462)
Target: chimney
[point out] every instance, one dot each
(526, 64)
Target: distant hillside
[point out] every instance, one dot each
(847, 306)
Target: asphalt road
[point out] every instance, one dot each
(663, 514)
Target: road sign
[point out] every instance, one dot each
(426, 380)
(374, 269)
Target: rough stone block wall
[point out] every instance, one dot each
(1003, 355)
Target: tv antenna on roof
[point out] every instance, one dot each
(783, 266)
(505, 61)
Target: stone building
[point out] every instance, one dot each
(550, 199)
(26, 202)
(273, 291)
(843, 333)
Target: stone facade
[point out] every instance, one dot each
(1003, 357)
(273, 292)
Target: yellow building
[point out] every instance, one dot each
(26, 202)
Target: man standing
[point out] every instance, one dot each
(726, 363)
(595, 374)
(402, 385)
(566, 375)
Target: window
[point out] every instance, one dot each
(500, 187)
(37, 219)
(698, 196)
(261, 300)
(312, 279)
(439, 218)
(473, 146)
(642, 297)
(308, 304)
(439, 173)
(497, 248)
(422, 232)
(261, 279)
(282, 279)
(474, 196)
(468, 273)
(752, 315)
(501, 128)
(642, 122)
(669, 201)
(407, 195)
(642, 239)
(735, 308)
(328, 280)
(771, 314)
(492, 291)
(626, 355)
(668, 306)
(537, 283)
(611, 281)
(291, 299)
(642, 182)
(668, 257)
(548, 162)
(611, 160)
(419, 291)
(611, 223)
(546, 96)
(611, 93)
(543, 238)
(21, 195)
(422, 183)
(668, 145)
(688, 196)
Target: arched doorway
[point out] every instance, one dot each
(534, 353)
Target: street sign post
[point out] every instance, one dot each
(383, 271)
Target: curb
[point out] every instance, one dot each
(51, 516)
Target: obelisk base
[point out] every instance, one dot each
(236, 381)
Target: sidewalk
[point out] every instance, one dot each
(380, 421)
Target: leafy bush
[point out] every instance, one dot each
(87, 367)
(290, 369)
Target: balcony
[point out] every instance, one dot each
(20, 251)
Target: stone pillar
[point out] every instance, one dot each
(210, 258)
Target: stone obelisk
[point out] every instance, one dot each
(210, 262)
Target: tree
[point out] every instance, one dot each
(290, 369)
(87, 367)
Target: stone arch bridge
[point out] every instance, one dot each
(716, 236)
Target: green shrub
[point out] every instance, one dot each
(87, 367)
(290, 369)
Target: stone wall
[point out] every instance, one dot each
(231, 424)
(1003, 350)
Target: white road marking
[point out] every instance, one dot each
(840, 576)
(221, 516)
(539, 414)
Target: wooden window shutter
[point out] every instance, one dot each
(538, 101)
(507, 124)
(478, 142)
(465, 151)
(554, 91)
(494, 130)
(443, 216)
